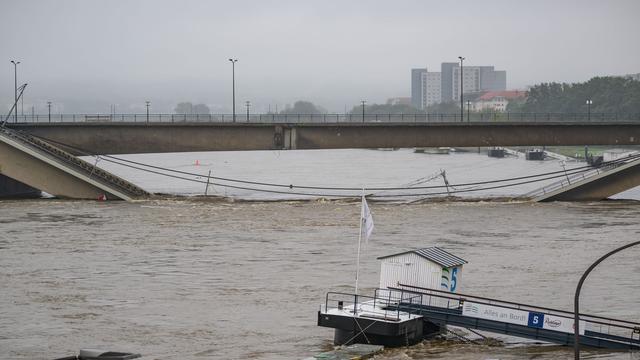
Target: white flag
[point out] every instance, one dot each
(367, 220)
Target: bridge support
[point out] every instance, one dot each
(598, 187)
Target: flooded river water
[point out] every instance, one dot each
(197, 279)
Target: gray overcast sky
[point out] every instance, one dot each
(85, 53)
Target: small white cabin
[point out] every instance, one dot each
(431, 268)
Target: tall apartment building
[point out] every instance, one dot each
(431, 89)
(416, 87)
(425, 90)
(475, 79)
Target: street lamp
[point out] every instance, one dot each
(49, 106)
(576, 304)
(233, 84)
(589, 102)
(363, 102)
(461, 89)
(15, 91)
(468, 109)
(147, 103)
(247, 104)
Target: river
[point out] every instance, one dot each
(201, 278)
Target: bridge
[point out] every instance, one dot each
(43, 166)
(157, 133)
(592, 185)
(118, 134)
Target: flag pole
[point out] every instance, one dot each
(359, 242)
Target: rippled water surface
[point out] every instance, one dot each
(196, 279)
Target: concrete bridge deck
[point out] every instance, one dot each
(156, 137)
(597, 184)
(45, 167)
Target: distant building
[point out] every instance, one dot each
(497, 100)
(476, 79)
(399, 101)
(428, 88)
(431, 89)
(416, 87)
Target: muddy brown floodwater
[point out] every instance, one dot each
(186, 279)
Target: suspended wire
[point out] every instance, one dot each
(465, 187)
(291, 186)
(226, 185)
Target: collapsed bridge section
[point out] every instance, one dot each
(43, 166)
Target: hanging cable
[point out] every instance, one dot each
(291, 186)
(475, 186)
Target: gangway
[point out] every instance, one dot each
(599, 183)
(49, 168)
(515, 319)
(389, 317)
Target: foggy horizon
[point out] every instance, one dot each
(87, 55)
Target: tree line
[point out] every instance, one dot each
(607, 95)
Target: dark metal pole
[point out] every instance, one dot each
(233, 85)
(147, 103)
(589, 102)
(15, 88)
(576, 304)
(248, 104)
(49, 106)
(363, 102)
(468, 109)
(461, 89)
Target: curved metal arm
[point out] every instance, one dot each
(15, 104)
(576, 301)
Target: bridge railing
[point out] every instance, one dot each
(72, 161)
(575, 177)
(327, 118)
(616, 328)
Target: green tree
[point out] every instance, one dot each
(386, 109)
(609, 95)
(451, 107)
(201, 109)
(188, 108)
(304, 107)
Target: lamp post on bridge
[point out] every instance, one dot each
(461, 89)
(15, 88)
(49, 106)
(248, 105)
(363, 102)
(576, 303)
(589, 102)
(233, 84)
(147, 104)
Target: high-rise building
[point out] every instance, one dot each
(425, 90)
(431, 89)
(416, 87)
(447, 82)
(475, 79)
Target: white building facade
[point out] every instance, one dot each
(431, 89)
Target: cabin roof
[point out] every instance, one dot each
(434, 254)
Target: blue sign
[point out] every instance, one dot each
(454, 279)
(536, 319)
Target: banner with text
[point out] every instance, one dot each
(520, 317)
